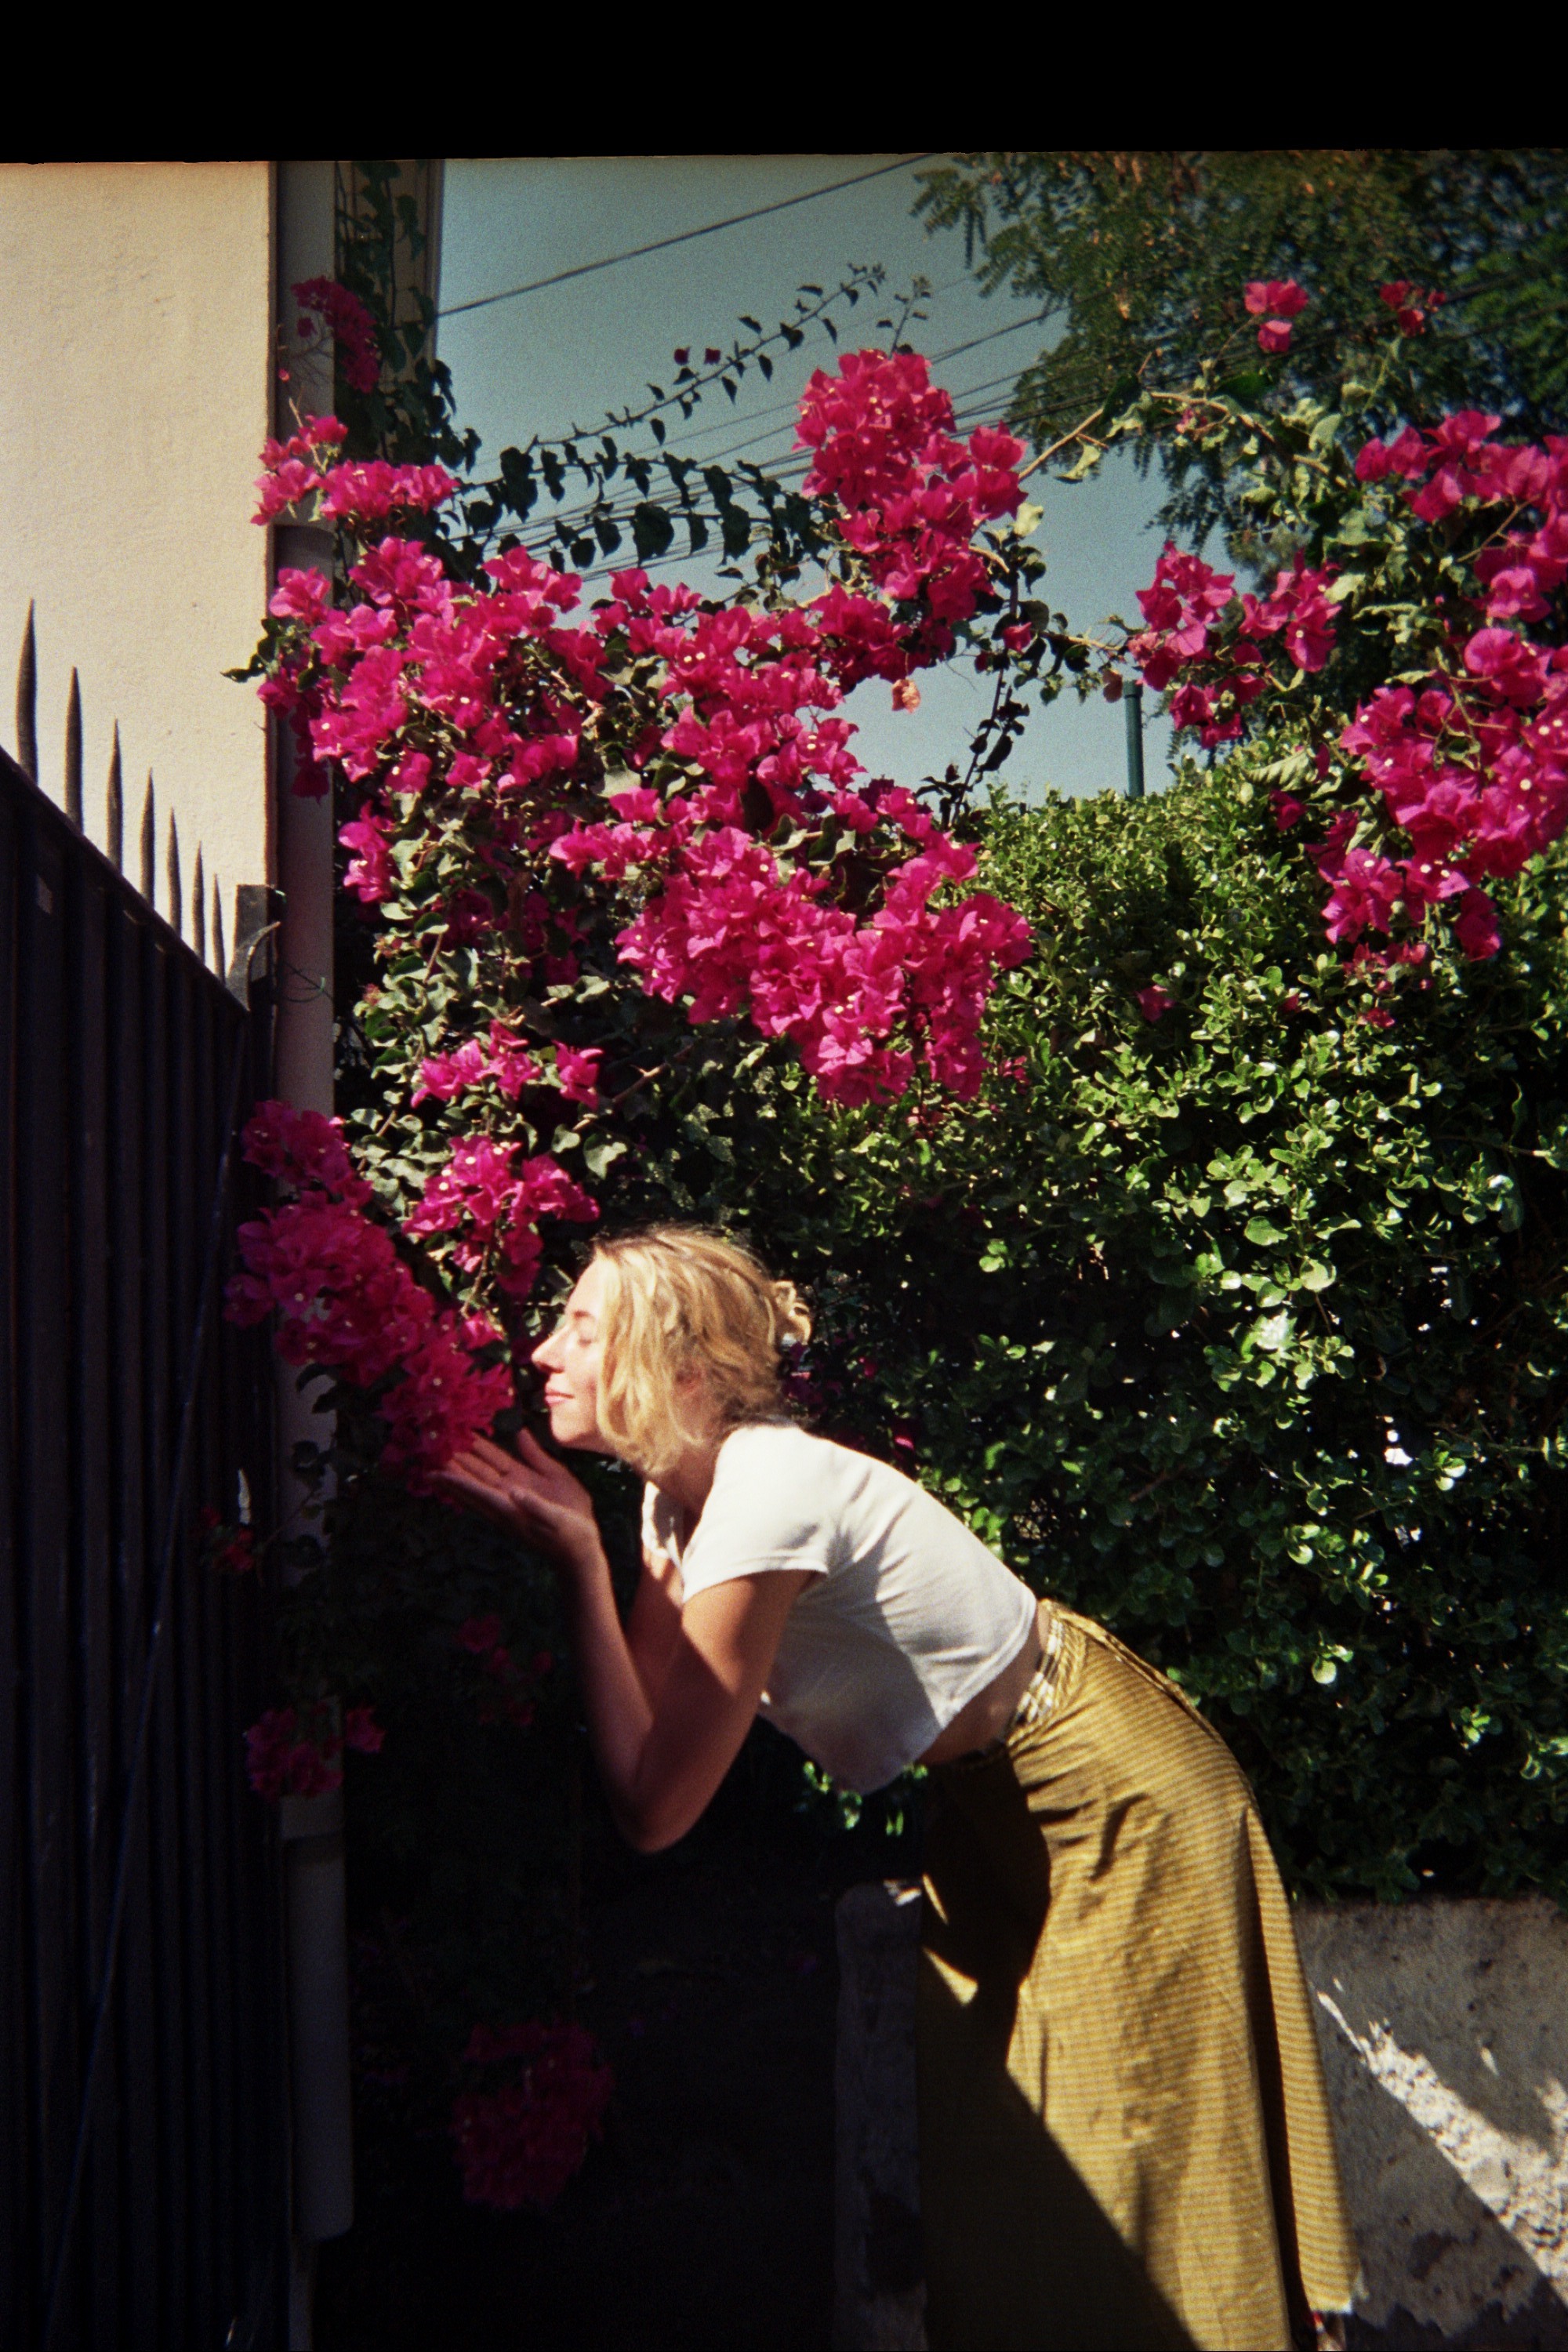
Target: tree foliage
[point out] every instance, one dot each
(1138, 259)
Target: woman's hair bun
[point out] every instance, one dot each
(791, 1317)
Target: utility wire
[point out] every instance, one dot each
(797, 460)
(790, 466)
(660, 244)
(776, 408)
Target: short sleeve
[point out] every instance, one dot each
(769, 1508)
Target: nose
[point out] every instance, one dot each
(546, 1355)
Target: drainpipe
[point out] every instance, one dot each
(1132, 700)
(315, 1900)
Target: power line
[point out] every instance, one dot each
(777, 407)
(636, 252)
(792, 464)
(795, 459)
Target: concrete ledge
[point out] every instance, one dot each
(1444, 2028)
(878, 2289)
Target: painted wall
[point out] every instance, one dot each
(135, 327)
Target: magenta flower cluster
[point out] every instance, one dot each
(493, 1206)
(344, 317)
(518, 2144)
(490, 693)
(512, 1695)
(1472, 765)
(298, 1751)
(347, 1301)
(1201, 631)
(1275, 301)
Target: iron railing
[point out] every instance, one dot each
(143, 2145)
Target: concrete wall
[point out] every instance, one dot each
(135, 378)
(1444, 2027)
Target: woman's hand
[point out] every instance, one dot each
(529, 1492)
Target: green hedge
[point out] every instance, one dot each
(1242, 1329)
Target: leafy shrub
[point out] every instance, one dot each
(1243, 1327)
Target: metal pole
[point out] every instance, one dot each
(315, 1894)
(1133, 701)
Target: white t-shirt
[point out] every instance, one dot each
(910, 1615)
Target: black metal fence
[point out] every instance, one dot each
(142, 2131)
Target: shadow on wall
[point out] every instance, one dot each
(1444, 2028)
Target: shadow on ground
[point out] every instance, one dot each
(705, 2216)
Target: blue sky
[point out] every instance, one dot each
(565, 355)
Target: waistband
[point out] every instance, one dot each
(1038, 1699)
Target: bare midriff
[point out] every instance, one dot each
(991, 1710)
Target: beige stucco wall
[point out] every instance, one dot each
(135, 320)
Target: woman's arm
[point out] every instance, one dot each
(661, 1757)
(653, 1621)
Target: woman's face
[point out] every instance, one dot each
(570, 1358)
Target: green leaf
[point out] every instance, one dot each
(652, 531)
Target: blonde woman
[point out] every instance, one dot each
(1124, 2139)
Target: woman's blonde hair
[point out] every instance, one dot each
(682, 1300)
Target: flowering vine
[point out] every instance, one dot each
(1466, 746)
(345, 1299)
(601, 855)
(662, 780)
(518, 2142)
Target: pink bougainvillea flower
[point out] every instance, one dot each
(519, 2146)
(1274, 336)
(1405, 300)
(577, 1073)
(1366, 890)
(299, 1751)
(1276, 298)
(1515, 669)
(351, 324)
(1287, 810)
(346, 1301)
(1154, 1002)
(1476, 928)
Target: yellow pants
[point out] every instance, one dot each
(1124, 2135)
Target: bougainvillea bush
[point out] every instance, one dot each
(600, 853)
(1236, 1320)
(1180, 1186)
(1240, 1293)
(571, 821)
